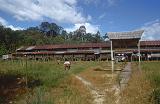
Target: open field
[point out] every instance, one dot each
(144, 85)
(88, 82)
(152, 71)
(35, 82)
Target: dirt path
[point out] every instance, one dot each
(125, 76)
(98, 95)
(113, 88)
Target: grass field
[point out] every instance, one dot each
(152, 71)
(144, 85)
(35, 82)
(46, 82)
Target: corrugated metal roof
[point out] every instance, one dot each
(82, 45)
(150, 43)
(125, 35)
(22, 48)
(19, 48)
(48, 53)
(66, 46)
(30, 47)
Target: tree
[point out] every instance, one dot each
(64, 34)
(105, 36)
(97, 37)
(50, 29)
(3, 49)
(46, 33)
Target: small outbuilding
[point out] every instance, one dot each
(122, 40)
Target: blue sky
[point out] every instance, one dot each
(102, 15)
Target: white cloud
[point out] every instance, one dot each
(99, 2)
(5, 23)
(111, 2)
(92, 1)
(15, 28)
(152, 30)
(59, 10)
(89, 28)
(102, 16)
(89, 18)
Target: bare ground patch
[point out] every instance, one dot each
(102, 85)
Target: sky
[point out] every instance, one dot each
(103, 15)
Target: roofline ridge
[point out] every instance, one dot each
(128, 31)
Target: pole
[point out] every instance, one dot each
(111, 51)
(26, 71)
(112, 59)
(139, 55)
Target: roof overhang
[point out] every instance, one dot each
(125, 39)
(125, 35)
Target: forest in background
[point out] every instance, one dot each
(45, 33)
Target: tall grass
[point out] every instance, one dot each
(144, 84)
(50, 75)
(152, 70)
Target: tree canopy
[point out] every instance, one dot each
(45, 33)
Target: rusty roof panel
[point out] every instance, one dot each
(65, 46)
(82, 45)
(150, 43)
